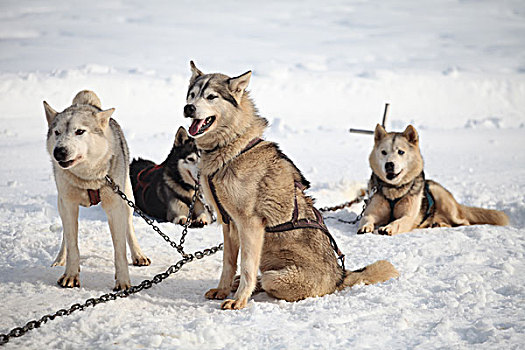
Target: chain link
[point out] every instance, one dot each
(358, 199)
(145, 284)
(149, 221)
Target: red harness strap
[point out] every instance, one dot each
(143, 177)
(94, 196)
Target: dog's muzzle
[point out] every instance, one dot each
(189, 111)
(60, 154)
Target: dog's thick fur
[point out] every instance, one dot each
(85, 145)
(256, 188)
(397, 167)
(169, 189)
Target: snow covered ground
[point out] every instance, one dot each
(455, 69)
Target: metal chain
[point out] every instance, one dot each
(358, 199)
(150, 222)
(145, 284)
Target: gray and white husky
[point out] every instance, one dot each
(85, 145)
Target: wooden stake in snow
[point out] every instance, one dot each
(371, 132)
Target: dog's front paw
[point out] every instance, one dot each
(216, 293)
(141, 260)
(203, 219)
(230, 304)
(365, 228)
(180, 220)
(440, 224)
(122, 285)
(387, 230)
(69, 281)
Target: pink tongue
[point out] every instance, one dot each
(195, 126)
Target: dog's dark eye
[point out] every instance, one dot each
(192, 95)
(400, 152)
(191, 159)
(57, 133)
(211, 97)
(80, 132)
(383, 152)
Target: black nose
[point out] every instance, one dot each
(189, 111)
(389, 167)
(60, 154)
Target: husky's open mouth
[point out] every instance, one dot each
(392, 176)
(69, 163)
(199, 126)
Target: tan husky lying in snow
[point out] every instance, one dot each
(405, 200)
(258, 192)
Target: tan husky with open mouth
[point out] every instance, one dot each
(259, 195)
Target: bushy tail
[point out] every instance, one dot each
(480, 216)
(378, 272)
(136, 166)
(87, 97)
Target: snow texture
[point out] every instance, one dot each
(455, 69)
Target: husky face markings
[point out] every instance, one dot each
(213, 101)
(77, 134)
(166, 191)
(396, 157)
(188, 159)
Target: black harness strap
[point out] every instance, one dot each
(297, 223)
(224, 214)
(428, 197)
(294, 224)
(430, 202)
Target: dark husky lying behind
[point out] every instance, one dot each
(165, 191)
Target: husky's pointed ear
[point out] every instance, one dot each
(103, 117)
(181, 137)
(50, 113)
(379, 133)
(411, 135)
(195, 72)
(238, 84)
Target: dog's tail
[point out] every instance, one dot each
(87, 97)
(378, 272)
(480, 216)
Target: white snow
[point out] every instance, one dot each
(455, 69)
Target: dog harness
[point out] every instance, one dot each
(428, 197)
(94, 196)
(144, 179)
(293, 224)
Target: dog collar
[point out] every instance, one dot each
(94, 196)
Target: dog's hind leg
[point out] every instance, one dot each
(137, 256)
(60, 260)
(69, 214)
